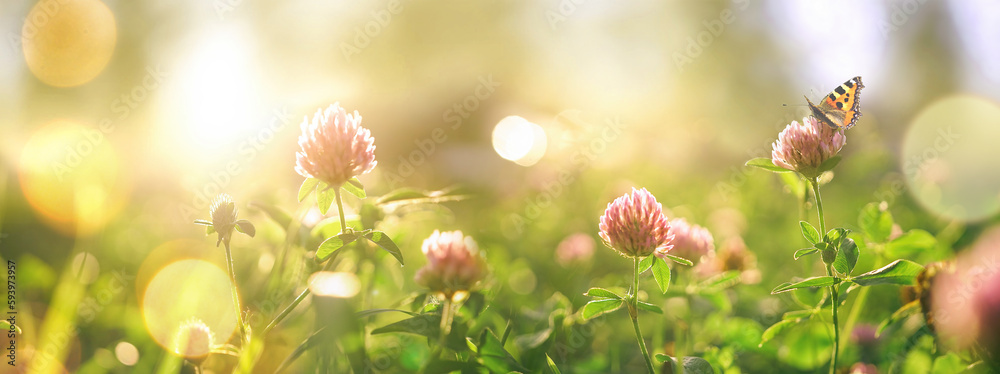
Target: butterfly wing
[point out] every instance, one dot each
(824, 114)
(842, 107)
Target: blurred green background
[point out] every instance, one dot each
(121, 120)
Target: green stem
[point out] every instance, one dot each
(236, 295)
(819, 206)
(340, 209)
(836, 329)
(284, 313)
(633, 312)
(302, 296)
(834, 293)
(446, 318)
(83, 264)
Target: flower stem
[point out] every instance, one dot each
(834, 294)
(446, 318)
(633, 312)
(284, 313)
(836, 329)
(819, 206)
(236, 295)
(340, 209)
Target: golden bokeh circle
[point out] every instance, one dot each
(70, 175)
(67, 43)
(186, 290)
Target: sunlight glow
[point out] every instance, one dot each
(211, 95)
(518, 140)
(334, 284)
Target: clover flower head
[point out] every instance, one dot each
(224, 215)
(635, 226)
(803, 147)
(334, 147)
(454, 265)
(194, 341)
(690, 241)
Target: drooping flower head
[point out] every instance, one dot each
(690, 241)
(223, 212)
(334, 147)
(224, 220)
(454, 264)
(194, 341)
(575, 248)
(635, 226)
(802, 147)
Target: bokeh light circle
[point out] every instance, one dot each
(127, 354)
(517, 139)
(185, 290)
(70, 175)
(522, 280)
(334, 284)
(949, 158)
(67, 43)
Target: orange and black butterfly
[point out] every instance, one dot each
(841, 108)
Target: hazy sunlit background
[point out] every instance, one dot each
(121, 120)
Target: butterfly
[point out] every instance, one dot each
(840, 109)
